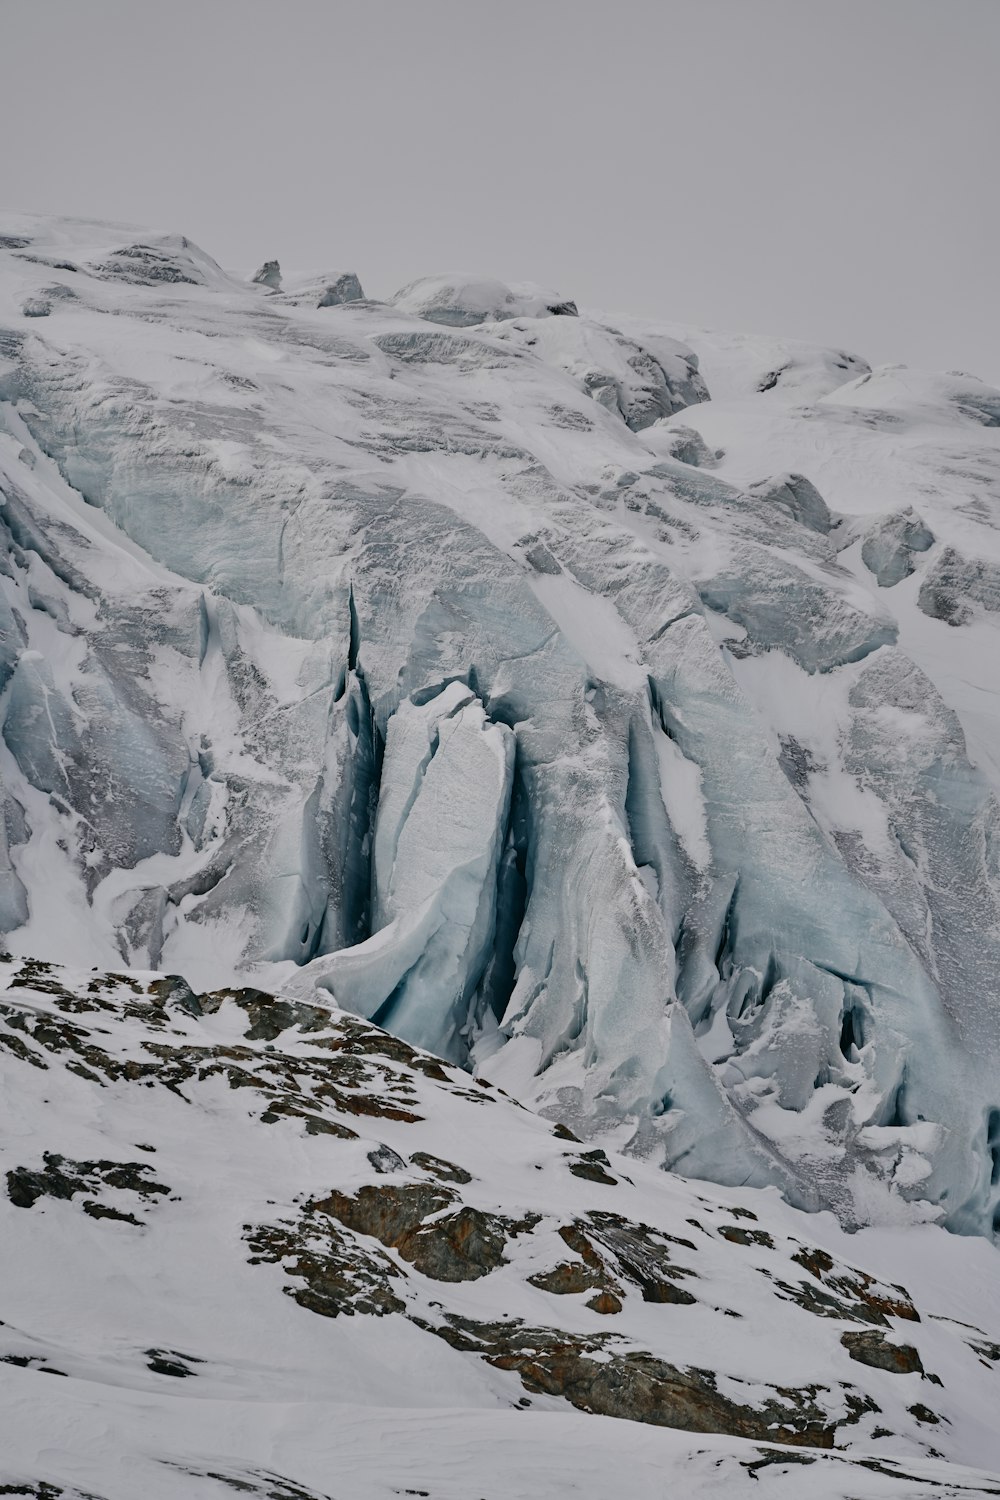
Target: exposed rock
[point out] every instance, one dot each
(873, 1348)
(459, 1246)
(171, 989)
(60, 1178)
(341, 1275)
(605, 1302)
(170, 1362)
(271, 1015)
(642, 1256)
(445, 1171)
(385, 1160)
(105, 1211)
(41, 1490)
(595, 1376)
(848, 1292)
(612, 1247)
(568, 1278)
(737, 1235)
(594, 1167)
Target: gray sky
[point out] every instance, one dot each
(823, 169)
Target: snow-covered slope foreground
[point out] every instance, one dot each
(260, 1246)
(461, 658)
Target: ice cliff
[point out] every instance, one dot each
(609, 707)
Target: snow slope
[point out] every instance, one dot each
(610, 707)
(264, 1246)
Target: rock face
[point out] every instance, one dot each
(396, 653)
(875, 1349)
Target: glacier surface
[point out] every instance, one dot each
(609, 707)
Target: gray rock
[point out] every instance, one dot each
(385, 1160)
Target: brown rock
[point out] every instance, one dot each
(873, 1348)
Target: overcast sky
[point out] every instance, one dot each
(823, 169)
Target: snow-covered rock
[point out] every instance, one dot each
(260, 1242)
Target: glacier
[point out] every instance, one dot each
(608, 706)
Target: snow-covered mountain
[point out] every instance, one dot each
(607, 707)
